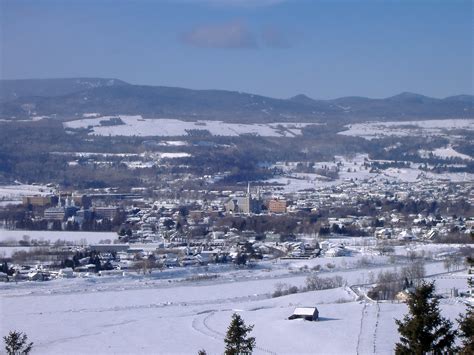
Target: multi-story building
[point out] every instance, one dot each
(277, 206)
(54, 213)
(109, 212)
(36, 200)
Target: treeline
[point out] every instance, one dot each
(390, 283)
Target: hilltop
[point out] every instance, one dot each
(71, 98)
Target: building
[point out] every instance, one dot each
(272, 237)
(36, 200)
(106, 212)
(243, 204)
(306, 313)
(82, 200)
(109, 248)
(238, 204)
(277, 206)
(54, 214)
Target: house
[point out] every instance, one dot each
(383, 233)
(337, 250)
(306, 313)
(38, 275)
(404, 295)
(66, 273)
(432, 234)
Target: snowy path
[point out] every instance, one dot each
(368, 329)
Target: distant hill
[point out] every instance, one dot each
(71, 98)
(13, 89)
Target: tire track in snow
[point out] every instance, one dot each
(201, 324)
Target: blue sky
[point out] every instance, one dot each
(279, 48)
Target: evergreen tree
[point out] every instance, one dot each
(424, 330)
(237, 341)
(16, 343)
(466, 322)
(466, 331)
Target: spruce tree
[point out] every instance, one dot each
(16, 343)
(237, 341)
(466, 331)
(466, 322)
(424, 330)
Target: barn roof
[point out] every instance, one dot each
(305, 311)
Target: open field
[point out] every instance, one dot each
(154, 314)
(52, 236)
(372, 130)
(141, 127)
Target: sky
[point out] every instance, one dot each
(321, 48)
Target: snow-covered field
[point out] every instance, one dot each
(449, 152)
(159, 315)
(7, 252)
(138, 126)
(352, 168)
(52, 236)
(16, 192)
(372, 130)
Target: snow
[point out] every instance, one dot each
(32, 118)
(138, 126)
(174, 155)
(138, 164)
(307, 311)
(449, 152)
(169, 315)
(14, 192)
(302, 181)
(372, 130)
(173, 143)
(94, 154)
(10, 202)
(7, 252)
(78, 237)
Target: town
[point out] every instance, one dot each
(240, 227)
(236, 177)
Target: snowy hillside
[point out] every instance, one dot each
(159, 314)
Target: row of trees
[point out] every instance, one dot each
(389, 283)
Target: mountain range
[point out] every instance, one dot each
(74, 97)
